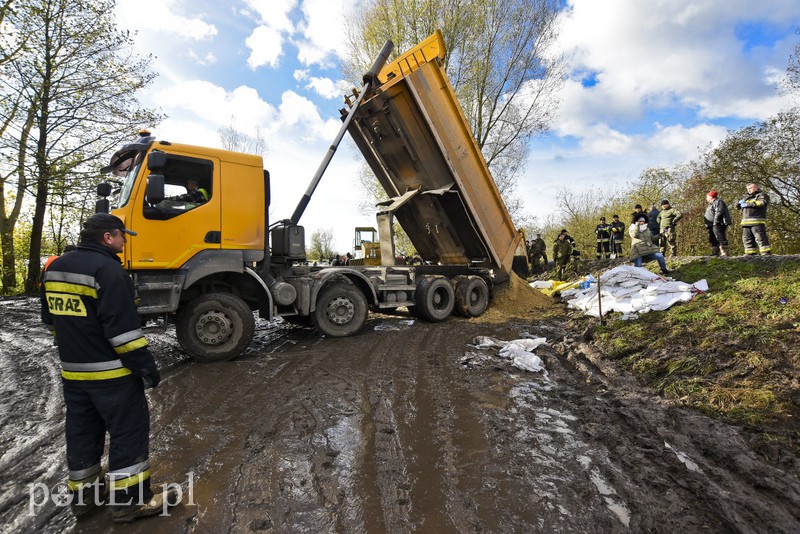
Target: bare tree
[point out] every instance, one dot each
(793, 70)
(76, 81)
(238, 141)
(500, 60)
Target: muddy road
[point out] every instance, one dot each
(406, 427)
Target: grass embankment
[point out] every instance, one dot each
(733, 352)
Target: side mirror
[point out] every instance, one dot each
(103, 189)
(156, 160)
(155, 188)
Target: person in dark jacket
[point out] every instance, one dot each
(754, 221)
(88, 304)
(717, 219)
(617, 235)
(603, 233)
(637, 211)
(653, 224)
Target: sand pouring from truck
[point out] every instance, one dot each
(208, 266)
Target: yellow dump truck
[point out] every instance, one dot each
(207, 257)
(415, 137)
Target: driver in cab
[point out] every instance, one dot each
(193, 197)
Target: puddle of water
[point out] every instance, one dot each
(685, 460)
(619, 509)
(389, 325)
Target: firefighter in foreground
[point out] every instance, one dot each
(88, 304)
(754, 221)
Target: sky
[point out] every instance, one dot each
(651, 83)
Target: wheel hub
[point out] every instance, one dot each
(213, 327)
(341, 310)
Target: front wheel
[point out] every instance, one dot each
(341, 310)
(215, 327)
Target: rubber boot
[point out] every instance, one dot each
(715, 251)
(723, 250)
(156, 505)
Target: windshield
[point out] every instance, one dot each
(127, 167)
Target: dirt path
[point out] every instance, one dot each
(405, 427)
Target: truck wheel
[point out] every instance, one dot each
(215, 327)
(341, 310)
(472, 295)
(435, 298)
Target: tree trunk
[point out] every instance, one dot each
(9, 258)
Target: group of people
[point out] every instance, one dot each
(654, 234)
(609, 237)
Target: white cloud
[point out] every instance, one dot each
(301, 74)
(272, 13)
(164, 17)
(322, 31)
(203, 101)
(327, 88)
(266, 47)
(267, 40)
(660, 54)
(208, 59)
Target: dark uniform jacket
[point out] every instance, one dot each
(668, 218)
(603, 232)
(88, 299)
(562, 250)
(717, 214)
(755, 210)
(617, 231)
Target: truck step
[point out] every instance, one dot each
(396, 288)
(396, 304)
(157, 286)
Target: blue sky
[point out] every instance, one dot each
(651, 82)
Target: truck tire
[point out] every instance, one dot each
(215, 327)
(435, 298)
(472, 295)
(341, 310)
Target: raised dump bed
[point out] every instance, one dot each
(415, 137)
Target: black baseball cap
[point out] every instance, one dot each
(106, 221)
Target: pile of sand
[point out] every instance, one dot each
(516, 298)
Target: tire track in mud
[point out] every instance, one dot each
(386, 470)
(444, 427)
(303, 455)
(32, 444)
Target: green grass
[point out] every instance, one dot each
(731, 352)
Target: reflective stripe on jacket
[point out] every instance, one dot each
(87, 299)
(755, 210)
